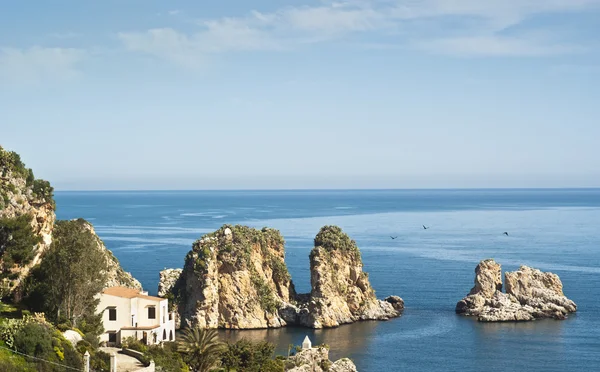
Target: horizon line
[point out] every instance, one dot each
(331, 189)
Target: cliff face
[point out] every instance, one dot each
(236, 278)
(22, 195)
(341, 292)
(115, 273)
(167, 280)
(530, 294)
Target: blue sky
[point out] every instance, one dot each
(132, 94)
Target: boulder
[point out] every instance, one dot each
(530, 294)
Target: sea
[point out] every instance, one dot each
(555, 230)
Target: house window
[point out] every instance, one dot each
(112, 337)
(152, 312)
(164, 334)
(112, 314)
(170, 335)
(163, 315)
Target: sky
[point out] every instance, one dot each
(155, 94)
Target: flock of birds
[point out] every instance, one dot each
(427, 227)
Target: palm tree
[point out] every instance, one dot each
(201, 348)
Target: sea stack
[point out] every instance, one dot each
(530, 294)
(236, 278)
(341, 292)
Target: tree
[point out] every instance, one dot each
(201, 348)
(248, 356)
(72, 273)
(17, 241)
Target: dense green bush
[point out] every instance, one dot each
(248, 356)
(166, 358)
(17, 240)
(41, 341)
(333, 238)
(133, 344)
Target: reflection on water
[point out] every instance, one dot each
(344, 340)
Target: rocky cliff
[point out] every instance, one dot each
(116, 276)
(23, 195)
(167, 280)
(530, 294)
(341, 292)
(316, 359)
(236, 278)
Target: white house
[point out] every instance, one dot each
(130, 312)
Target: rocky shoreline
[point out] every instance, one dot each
(236, 278)
(530, 294)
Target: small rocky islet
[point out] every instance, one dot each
(236, 278)
(530, 294)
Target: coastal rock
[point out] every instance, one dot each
(23, 195)
(341, 292)
(530, 294)
(167, 280)
(235, 278)
(117, 277)
(316, 359)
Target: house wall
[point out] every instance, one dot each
(123, 306)
(137, 308)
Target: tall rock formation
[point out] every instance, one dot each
(530, 294)
(341, 292)
(236, 278)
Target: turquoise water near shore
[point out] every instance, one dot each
(554, 230)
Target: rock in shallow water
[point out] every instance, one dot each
(530, 294)
(236, 278)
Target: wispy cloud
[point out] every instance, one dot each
(477, 28)
(495, 46)
(35, 64)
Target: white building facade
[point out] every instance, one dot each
(130, 312)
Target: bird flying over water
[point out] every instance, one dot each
(505, 233)
(393, 237)
(425, 227)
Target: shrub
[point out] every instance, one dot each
(17, 240)
(166, 358)
(247, 356)
(133, 344)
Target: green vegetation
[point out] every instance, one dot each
(333, 238)
(35, 337)
(17, 240)
(247, 356)
(10, 162)
(201, 348)
(267, 299)
(166, 358)
(72, 272)
(11, 165)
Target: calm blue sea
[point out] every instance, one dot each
(555, 230)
